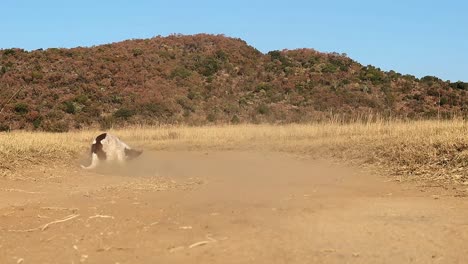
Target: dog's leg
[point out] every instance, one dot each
(94, 162)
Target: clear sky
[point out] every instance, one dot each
(410, 36)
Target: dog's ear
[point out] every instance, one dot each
(131, 153)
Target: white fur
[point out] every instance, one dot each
(114, 149)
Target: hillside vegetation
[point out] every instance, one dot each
(204, 79)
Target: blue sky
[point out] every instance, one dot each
(412, 37)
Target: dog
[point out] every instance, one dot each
(107, 147)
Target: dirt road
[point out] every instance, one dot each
(226, 207)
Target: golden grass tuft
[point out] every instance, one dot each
(421, 150)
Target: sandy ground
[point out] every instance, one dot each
(226, 207)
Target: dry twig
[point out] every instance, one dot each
(70, 217)
(22, 191)
(44, 227)
(201, 243)
(59, 208)
(204, 242)
(101, 216)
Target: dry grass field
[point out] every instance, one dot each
(415, 150)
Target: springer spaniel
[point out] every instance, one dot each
(107, 147)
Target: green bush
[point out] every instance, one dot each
(444, 100)
(235, 119)
(21, 108)
(7, 52)
(263, 86)
(430, 79)
(157, 109)
(263, 109)
(373, 74)
(208, 66)
(4, 127)
(36, 75)
(186, 113)
(459, 85)
(81, 99)
(180, 72)
(275, 55)
(123, 113)
(221, 55)
(37, 122)
(69, 107)
(329, 68)
(137, 52)
(211, 117)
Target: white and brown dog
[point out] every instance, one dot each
(107, 147)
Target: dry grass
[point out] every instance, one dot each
(423, 150)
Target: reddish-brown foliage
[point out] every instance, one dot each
(205, 78)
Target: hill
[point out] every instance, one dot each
(202, 79)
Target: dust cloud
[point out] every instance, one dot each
(241, 170)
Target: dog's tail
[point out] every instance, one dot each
(131, 153)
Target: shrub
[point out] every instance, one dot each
(186, 104)
(180, 72)
(444, 100)
(21, 108)
(69, 107)
(211, 117)
(373, 74)
(7, 52)
(192, 95)
(221, 55)
(263, 86)
(263, 109)
(107, 122)
(36, 75)
(208, 66)
(459, 85)
(55, 126)
(157, 109)
(389, 96)
(186, 113)
(137, 52)
(430, 79)
(116, 99)
(123, 113)
(339, 63)
(81, 99)
(37, 122)
(235, 119)
(4, 127)
(275, 55)
(92, 110)
(329, 68)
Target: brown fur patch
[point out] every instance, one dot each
(97, 147)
